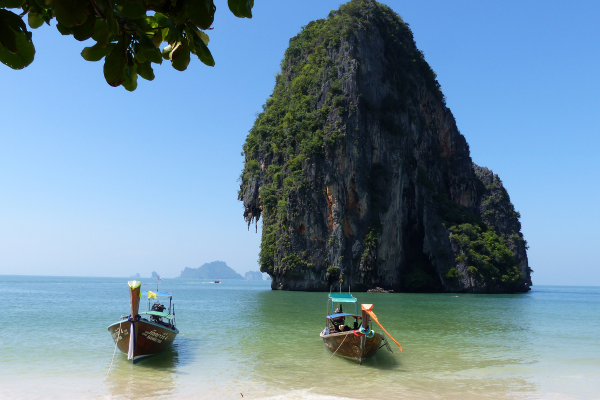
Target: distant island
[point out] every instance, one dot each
(254, 276)
(212, 270)
(138, 276)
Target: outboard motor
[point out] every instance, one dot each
(160, 308)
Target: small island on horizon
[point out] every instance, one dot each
(137, 276)
(254, 276)
(212, 270)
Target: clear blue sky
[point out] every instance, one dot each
(99, 181)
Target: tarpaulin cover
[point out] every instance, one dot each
(339, 315)
(158, 314)
(342, 298)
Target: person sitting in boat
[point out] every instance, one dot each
(338, 323)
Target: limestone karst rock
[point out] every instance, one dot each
(362, 177)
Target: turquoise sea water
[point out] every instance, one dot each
(240, 337)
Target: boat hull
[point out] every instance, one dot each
(150, 338)
(355, 348)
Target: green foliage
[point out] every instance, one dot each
(294, 262)
(498, 207)
(16, 48)
(253, 167)
(269, 198)
(333, 271)
(488, 258)
(268, 247)
(370, 242)
(452, 274)
(128, 33)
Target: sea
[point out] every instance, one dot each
(241, 340)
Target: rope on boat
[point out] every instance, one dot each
(374, 318)
(387, 345)
(336, 350)
(114, 352)
(111, 361)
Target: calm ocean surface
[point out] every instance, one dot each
(240, 337)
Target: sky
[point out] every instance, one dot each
(98, 181)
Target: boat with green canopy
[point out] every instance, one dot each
(349, 335)
(143, 334)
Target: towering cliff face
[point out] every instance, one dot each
(362, 177)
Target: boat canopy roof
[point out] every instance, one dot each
(333, 316)
(159, 294)
(342, 298)
(158, 314)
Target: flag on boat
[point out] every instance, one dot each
(151, 294)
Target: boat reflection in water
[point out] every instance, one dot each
(155, 377)
(148, 333)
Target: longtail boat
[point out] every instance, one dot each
(147, 333)
(357, 342)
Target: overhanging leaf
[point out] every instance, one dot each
(63, 29)
(130, 78)
(132, 10)
(201, 49)
(34, 20)
(161, 19)
(101, 33)
(11, 3)
(71, 13)
(180, 56)
(148, 50)
(166, 52)
(145, 71)
(204, 37)
(157, 39)
(241, 8)
(24, 55)
(8, 36)
(96, 52)
(114, 64)
(200, 12)
(84, 31)
(199, 33)
(106, 7)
